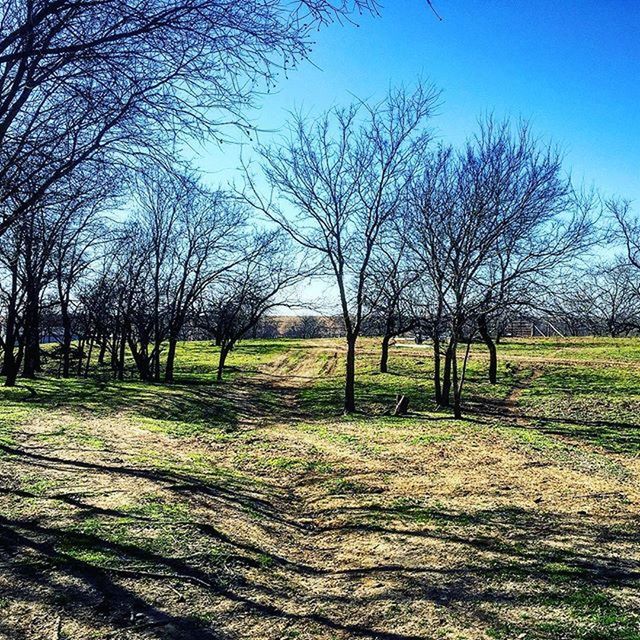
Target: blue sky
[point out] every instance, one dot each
(571, 67)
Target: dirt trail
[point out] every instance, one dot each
(512, 400)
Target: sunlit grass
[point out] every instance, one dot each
(238, 478)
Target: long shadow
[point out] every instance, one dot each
(230, 491)
(541, 568)
(497, 408)
(515, 545)
(18, 536)
(205, 528)
(190, 406)
(115, 605)
(617, 436)
(501, 545)
(529, 537)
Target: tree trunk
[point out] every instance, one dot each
(9, 366)
(66, 340)
(446, 377)
(88, 363)
(485, 334)
(103, 339)
(81, 343)
(31, 335)
(154, 360)
(384, 355)
(224, 352)
(437, 382)
(350, 376)
(171, 357)
(121, 355)
(12, 374)
(457, 409)
(20, 354)
(13, 366)
(144, 364)
(66, 353)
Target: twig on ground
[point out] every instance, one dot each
(137, 627)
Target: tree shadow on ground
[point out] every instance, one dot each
(46, 566)
(98, 566)
(620, 436)
(180, 409)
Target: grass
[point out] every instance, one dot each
(258, 496)
(595, 404)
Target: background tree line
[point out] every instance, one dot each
(112, 244)
(93, 94)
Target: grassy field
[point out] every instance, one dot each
(252, 509)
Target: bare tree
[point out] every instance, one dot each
(50, 244)
(262, 281)
(101, 303)
(628, 228)
(392, 295)
(193, 235)
(492, 221)
(11, 250)
(344, 176)
(116, 80)
(79, 234)
(603, 299)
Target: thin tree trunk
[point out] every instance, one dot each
(103, 339)
(12, 363)
(485, 334)
(446, 377)
(121, 355)
(88, 364)
(9, 367)
(31, 336)
(457, 409)
(114, 349)
(81, 343)
(155, 360)
(384, 354)
(66, 340)
(465, 362)
(437, 382)
(154, 365)
(224, 352)
(171, 357)
(350, 376)
(66, 354)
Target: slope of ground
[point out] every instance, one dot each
(253, 510)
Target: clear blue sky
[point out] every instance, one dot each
(572, 67)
